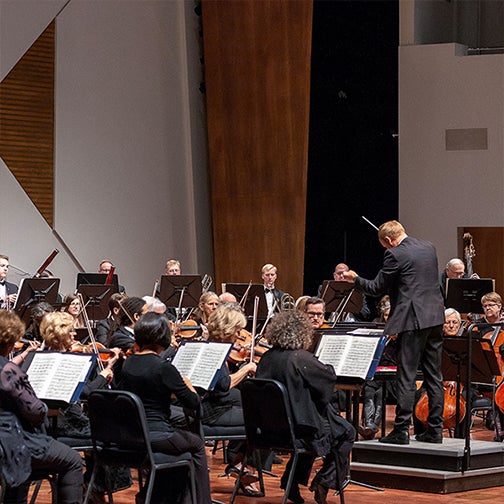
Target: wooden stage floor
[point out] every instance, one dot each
(222, 487)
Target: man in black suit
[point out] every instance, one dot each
(272, 294)
(410, 276)
(8, 291)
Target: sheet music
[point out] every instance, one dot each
(56, 376)
(350, 355)
(200, 361)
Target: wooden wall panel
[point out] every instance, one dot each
(257, 73)
(27, 122)
(489, 259)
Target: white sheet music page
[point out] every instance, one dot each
(200, 361)
(56, 376)
(349, 355)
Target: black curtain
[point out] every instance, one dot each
(352, 158)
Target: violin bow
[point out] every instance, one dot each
(87, 323)
(254, 327)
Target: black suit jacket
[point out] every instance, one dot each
(410, 276)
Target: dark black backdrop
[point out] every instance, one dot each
(352, 158)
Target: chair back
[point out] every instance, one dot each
(118, 423)
(267, 414)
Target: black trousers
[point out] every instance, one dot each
(420, 349)
(61, 459)
(182, 441)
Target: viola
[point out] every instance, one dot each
(449, 409)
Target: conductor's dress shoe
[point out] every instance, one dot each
(399, 437)
(429, 437)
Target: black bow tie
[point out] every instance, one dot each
(268, 290)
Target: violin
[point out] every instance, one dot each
(449, 409)
(103, 352)
(187, 329)
(242, 348)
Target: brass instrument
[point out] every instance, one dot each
(287, 302)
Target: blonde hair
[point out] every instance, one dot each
(172, 262)
(268, 267)
(493, 297)
(392, 229)
(55, 328)
(11, 328)
(225, 321)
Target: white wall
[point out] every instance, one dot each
(130, 144)
(440, 190)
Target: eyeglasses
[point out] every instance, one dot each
(315, 314)
(489, 305)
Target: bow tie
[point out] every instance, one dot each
(268, 290)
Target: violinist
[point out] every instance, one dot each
(121, 334)
(314, 307)
(208, 303)
(309, 385)
(72, 305)
(37, 313)
(227, 297)
(8, 290)
(222, 405)
(103, 326)
(22, 414)
(154, 380)
(58, 333)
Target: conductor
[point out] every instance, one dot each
(409, 274)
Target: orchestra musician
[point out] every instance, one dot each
(409, 274)
(58, 334)
(492, 308)
(8, 290)
(208, 303)
(222, 406)
(154, 380)
(172, 267)
(121, 333)
(455, 268)
(22, 414)
(310, 385)
(365, 313)
(272, 294)
(72, 305)
(103, 326)
(105, 268)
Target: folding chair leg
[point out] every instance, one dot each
(291, 477)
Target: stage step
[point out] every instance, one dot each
(428, 467)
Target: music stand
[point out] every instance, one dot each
(180, 291)
(341, 296)
(457, 353)
(252, 290)
(96, 279)
(464, 294)
(33, 291)
(96, 299)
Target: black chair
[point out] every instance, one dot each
(120, 437)
(269, 426)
